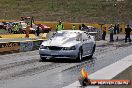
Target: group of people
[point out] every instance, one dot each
(60, 26)
(15, 28)
(115, 30)
(83, 27)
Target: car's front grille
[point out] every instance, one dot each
(54, 48)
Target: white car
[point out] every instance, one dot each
(72, 44)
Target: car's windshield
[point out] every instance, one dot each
(60, 34)
(66, 34)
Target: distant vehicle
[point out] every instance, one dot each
(44, 28)
(89, 29)
(92, 31)
(24, 26)
(33, 25)
(72, 44)
(3, 25)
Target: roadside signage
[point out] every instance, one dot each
(85, 81)
(11, 46)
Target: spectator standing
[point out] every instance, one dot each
(118, 31)
(127, 32)
(59, 26)
(84, 27)
(115, 29)
(9, 28)
(73, 27)
(14, 29)
(27, 31)
(20, 28)
(111, 30)
(38, 31)
(104, 33)
(118, 28)
(79, 27)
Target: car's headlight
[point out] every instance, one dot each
(69, 48)
(43, 47)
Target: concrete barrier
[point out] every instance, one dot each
(16, 46)
(36, 44)
(9, 47)
(26, 46)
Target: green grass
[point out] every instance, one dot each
(67, 10)
(3, 31)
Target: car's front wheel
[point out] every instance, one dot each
(42, 58)
(79, 58)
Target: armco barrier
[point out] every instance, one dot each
(11, 47)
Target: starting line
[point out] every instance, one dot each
(107, 72)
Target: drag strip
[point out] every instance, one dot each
(25, 67)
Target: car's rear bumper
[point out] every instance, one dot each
(71, 54)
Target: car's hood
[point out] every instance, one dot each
(60, 41)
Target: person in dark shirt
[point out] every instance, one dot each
(111, 30)
(84, 27)
(127, 32)
(38, 31)
(115, 29)
(104, 33)
(118, 28)
(79, 27)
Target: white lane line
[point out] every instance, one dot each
(107, 72)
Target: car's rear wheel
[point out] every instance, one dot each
(92, 51)
(79, 58)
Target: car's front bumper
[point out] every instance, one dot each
(71, 54)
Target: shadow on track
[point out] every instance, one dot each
(62, 60)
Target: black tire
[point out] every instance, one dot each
(79, 57)
(42, 59)
(92, 51)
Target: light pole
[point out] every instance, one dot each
(116, 13)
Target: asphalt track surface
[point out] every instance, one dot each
(24, 70)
